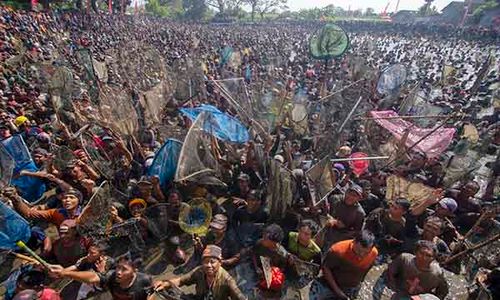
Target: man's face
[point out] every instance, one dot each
(351, 197)
(145, 189)
(432, 229)
(253, 204)
(359, 250)
(470, 189)
(424, 256)
(305, 235)
(4, 133)
(70, 202)
(93, 253)
(243, 184)
(124, 273)
(395, 209)
(76, 172)
(210, 265)
(136, 211)
(218, 232)
(174, 199)
(39, 159)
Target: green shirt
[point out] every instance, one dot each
(305, 253)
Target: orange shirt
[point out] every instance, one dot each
(344, 250)
(346, 267)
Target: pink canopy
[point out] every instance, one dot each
(431, 146)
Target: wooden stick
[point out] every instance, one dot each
(350, 114)
(25, 257)
(23, 246)
(339, 91)
(475, 247)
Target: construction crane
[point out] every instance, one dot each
(384, 15)
(397, 7)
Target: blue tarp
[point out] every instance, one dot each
(165, 162)
(225, 55)
(221, 125)
(13, 228)
(29, 188)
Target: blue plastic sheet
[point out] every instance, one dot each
(165, 162)
(225, 55)
(29, 188)
(219, 124)
(13, 228)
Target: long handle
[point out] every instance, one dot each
(23, 246)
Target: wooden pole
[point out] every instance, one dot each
(471, 249)
(350, 114)
(339, 91)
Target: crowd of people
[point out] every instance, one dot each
(266, 237)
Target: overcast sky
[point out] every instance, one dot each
(378, 5)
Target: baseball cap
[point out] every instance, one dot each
(449, 204)
(356, 188)
(344, 151)
(243, 176)
(219, 221)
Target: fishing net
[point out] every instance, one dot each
(189, 80)
(94, 221)
(321, 180)
(154, 101)
(7, 165)
(222, 126)
(157, 217)
(93, 147)
(415, 105)
(62, 156)
(195, 217)
(101, 70)
(391, 79)
(141, 65)
(459, 166)
(197, 162)
(279, 190)
(165, 162)
(125, 233)
(117, 110)
(30, 188)
(89, 77)
(13, 228)
(328, 42)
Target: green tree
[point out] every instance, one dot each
(427, 10)
(154, 7)
(369, 12)
(194, 9)
(264, 6)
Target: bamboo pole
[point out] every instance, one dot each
(350, 114)
(339, 91)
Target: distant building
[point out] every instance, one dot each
(404, 16)
(454, 12)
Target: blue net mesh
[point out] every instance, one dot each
(13, 228)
